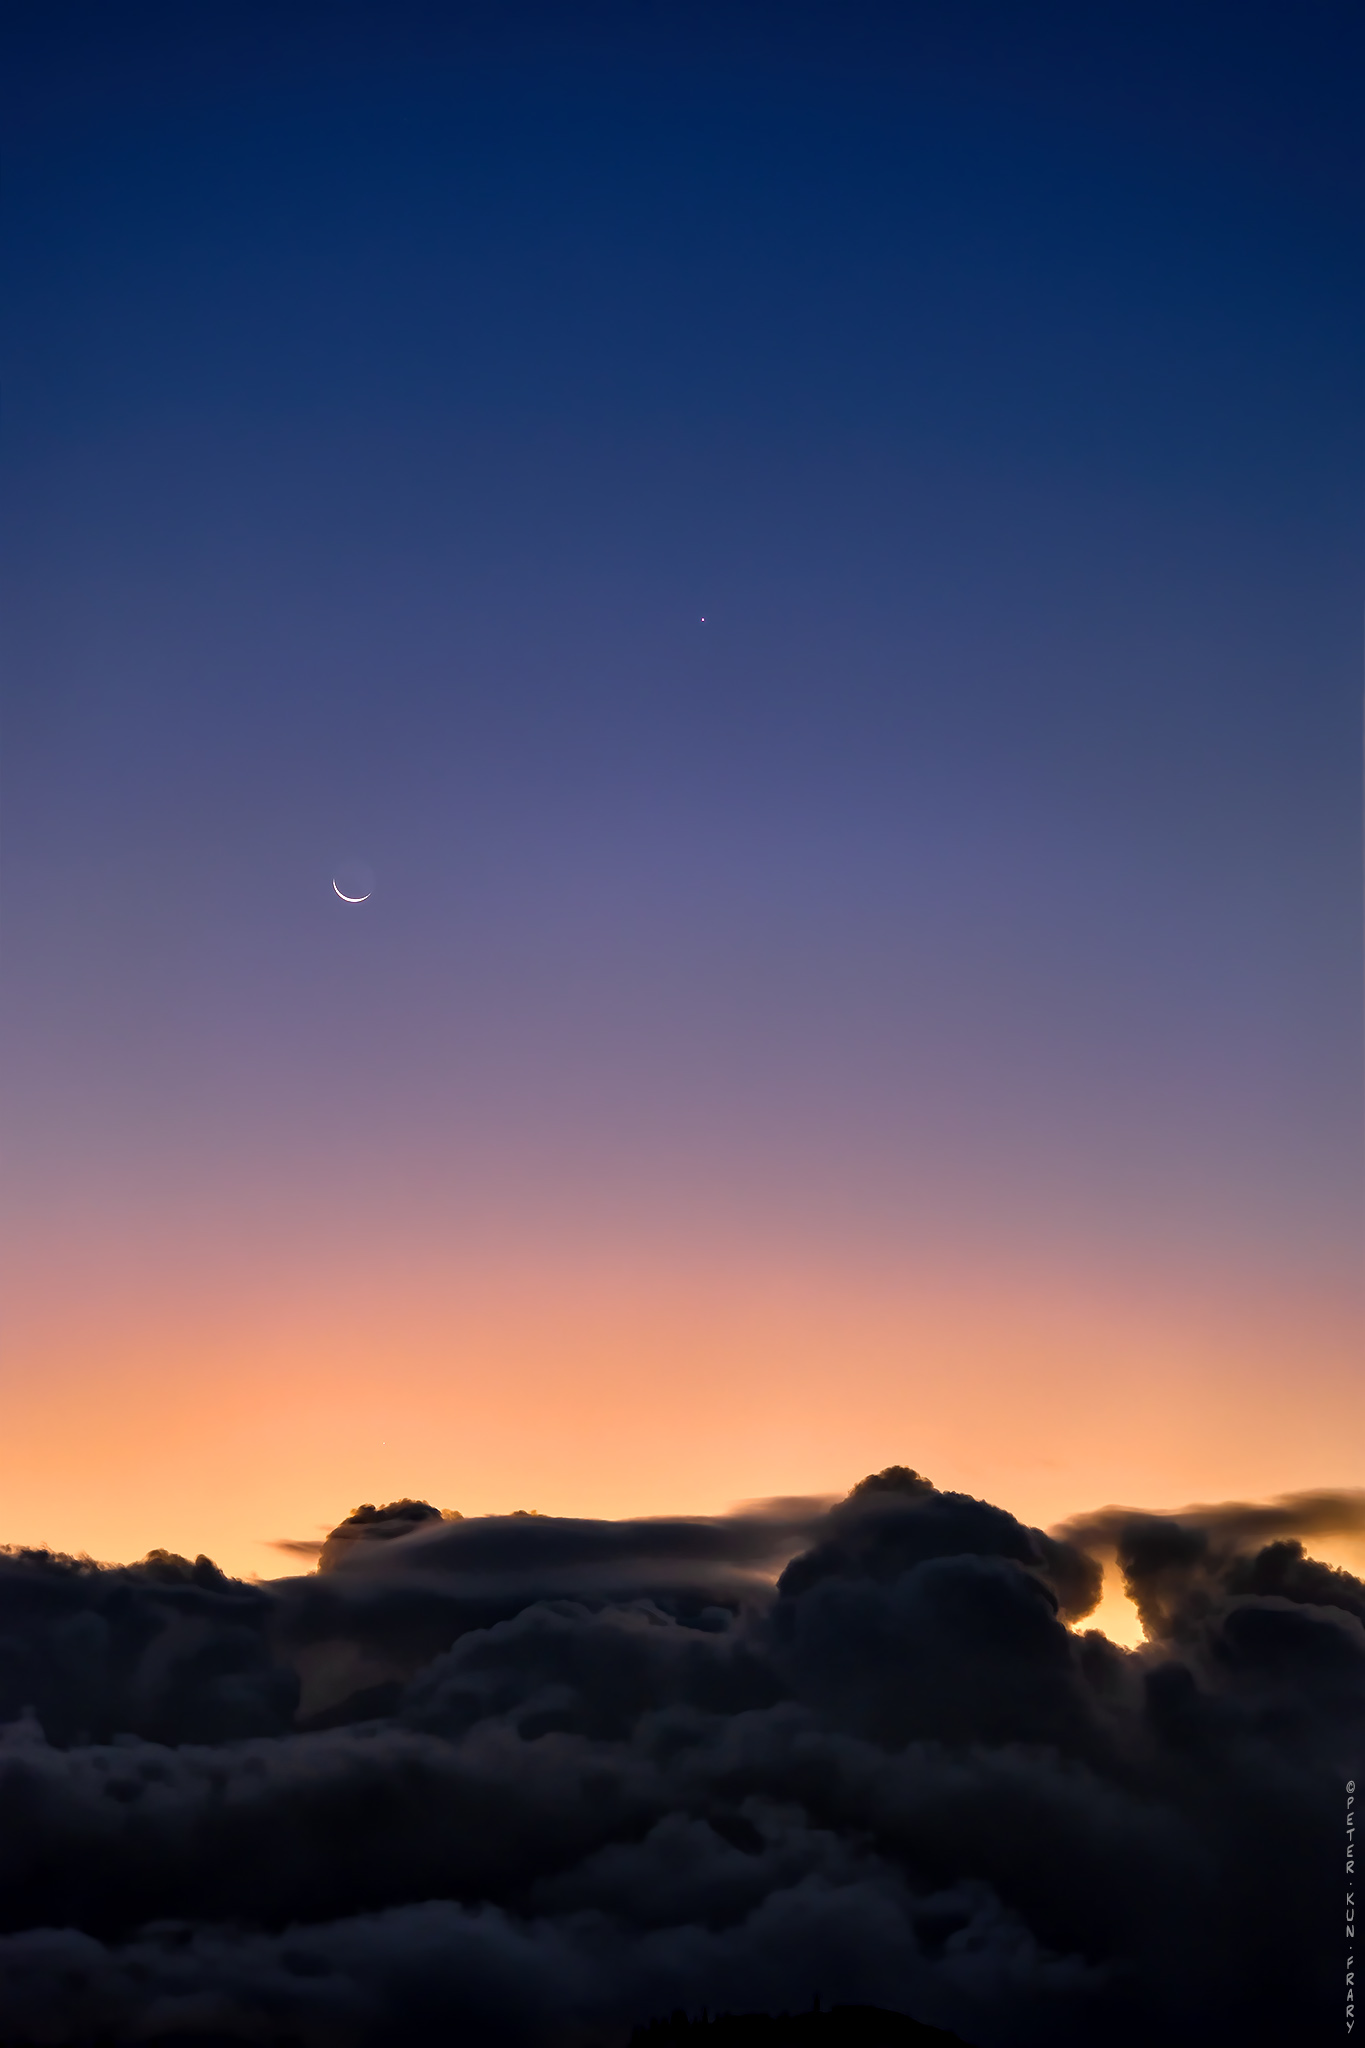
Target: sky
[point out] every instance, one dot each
(814, 554)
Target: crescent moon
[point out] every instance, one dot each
(353, 899)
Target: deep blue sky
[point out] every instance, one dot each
(390, 394)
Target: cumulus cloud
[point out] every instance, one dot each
(530, 1780)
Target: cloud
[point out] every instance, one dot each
(1177, 1566)
(166, 1649)
(535, 1779)
(1236, 1524)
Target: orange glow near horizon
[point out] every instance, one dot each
(222, 1417)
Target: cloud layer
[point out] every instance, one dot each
(527, 1780)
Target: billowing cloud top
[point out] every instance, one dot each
(524, 1779)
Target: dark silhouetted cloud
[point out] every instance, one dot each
(527, 1780)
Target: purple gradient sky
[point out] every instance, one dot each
(960, 930)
